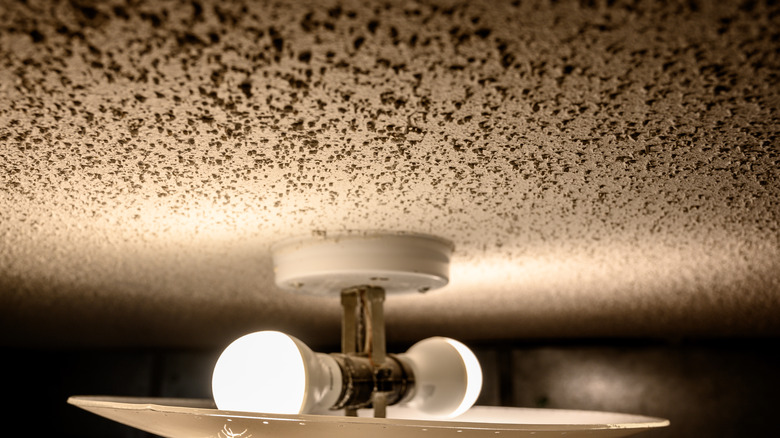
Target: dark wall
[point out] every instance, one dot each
(713, 389)
(42, 380)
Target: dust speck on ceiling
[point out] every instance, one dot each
(604, 168)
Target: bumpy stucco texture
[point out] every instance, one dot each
(604, 168)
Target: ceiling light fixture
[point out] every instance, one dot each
(268, 378)
(440, 377)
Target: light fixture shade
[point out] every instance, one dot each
(448, 378)
(187, 418)
(272, 372)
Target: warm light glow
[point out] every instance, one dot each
(261, 372)
(473, 377)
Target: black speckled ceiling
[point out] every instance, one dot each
(605, 168)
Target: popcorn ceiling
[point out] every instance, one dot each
(604, 168)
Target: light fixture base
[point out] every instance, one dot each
(326, 264)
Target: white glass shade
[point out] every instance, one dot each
(187, 418)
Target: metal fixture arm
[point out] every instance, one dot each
(363, 335)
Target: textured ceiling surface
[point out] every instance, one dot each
(604, 168)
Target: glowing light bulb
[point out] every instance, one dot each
(272, 372)
(448, 378)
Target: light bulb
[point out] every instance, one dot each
(447, 377)
(272, 372)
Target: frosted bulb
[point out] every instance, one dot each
(447, 375)
(272, 372)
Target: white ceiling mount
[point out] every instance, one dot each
(326, 263)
